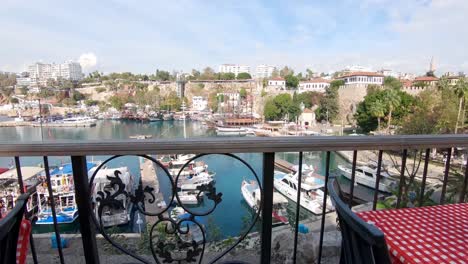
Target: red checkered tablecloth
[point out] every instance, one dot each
(433, 234)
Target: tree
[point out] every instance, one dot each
(281, 107)
(226, 76)
(434, 112)
(286, 71)
(310, 74)
(243, 93)
(163, 75)
(7, 79)
(244, 76)
(195, 75)
(270, 111)
(392, 82)
(377, 109)
(275, 73)
(14, 100)
(171, 102)
(460, 90)
(208, 74)
(309, 99)
(329, 103)
(392, 100)
(366, 112)
(117, 102)
(291, 81)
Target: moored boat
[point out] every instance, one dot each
(251, 193)
(63, 194)
(231, 131)
(368, 176)
(311, 192)
(113, 215)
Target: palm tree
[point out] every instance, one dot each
(392, 101)
(377, 109)
(443, 84)
(460, 89)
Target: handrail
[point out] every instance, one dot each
(229, 145)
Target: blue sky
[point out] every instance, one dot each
(141, 36)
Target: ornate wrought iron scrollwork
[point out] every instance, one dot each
(170, 239)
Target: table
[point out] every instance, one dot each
(432, 234)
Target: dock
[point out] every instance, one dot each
(284, 165)
(149, 178)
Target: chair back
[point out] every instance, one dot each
(361, 242)
(9, 230)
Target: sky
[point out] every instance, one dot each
(142, 36)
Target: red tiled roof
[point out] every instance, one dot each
(307, 110)
(407, 83)
(277, 79)
(375, 74)
(2, 170)
(317, 80)
(425, 79)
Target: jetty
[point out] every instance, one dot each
(149, 178)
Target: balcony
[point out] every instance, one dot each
(222, 227)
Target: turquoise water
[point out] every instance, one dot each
(230, 216)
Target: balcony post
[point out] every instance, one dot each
(268, 175)
(82, 194)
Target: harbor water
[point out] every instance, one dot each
(230, 217)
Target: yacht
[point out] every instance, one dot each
(231, 131)
(251, 193)
(311, 193)
(113, 216)
(192, 182)
(63, 194)
(367, 176)
(79, 121)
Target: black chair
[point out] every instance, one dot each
(361, 242)
(9, 230)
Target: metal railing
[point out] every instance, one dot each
(266, 146)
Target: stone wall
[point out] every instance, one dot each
(414, 90)
(349, 98)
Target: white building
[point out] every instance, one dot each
(307, 118)
(315, 85)
(199, 103)
(41, 72)
(230, 99)
(264, 71)
(234, 68)
(277, 82)
(362, 78)
(387, 72)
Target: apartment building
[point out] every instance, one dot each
(233, 68)
(44, 71)
(264, 71)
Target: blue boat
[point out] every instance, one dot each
(63, 194)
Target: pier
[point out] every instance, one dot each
(149, 178)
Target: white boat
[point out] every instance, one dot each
(311, 193)
(367, 176)
(251, 193)
(64, 196)
(175, 164)
(231, 131)
(194, 181)
(190, 196)
(113, 216)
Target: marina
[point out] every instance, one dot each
(222, 171)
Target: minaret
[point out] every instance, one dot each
(432, 65)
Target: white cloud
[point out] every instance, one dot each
(88, 60)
